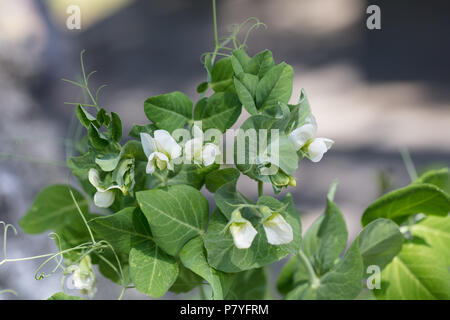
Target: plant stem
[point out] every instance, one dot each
(313, 279)
(202, 292)
(216, 37)
(8, 291)
(260, 188)
(122, 293)
(409, 164)
(82, 215)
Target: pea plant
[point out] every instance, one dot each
(142, 219)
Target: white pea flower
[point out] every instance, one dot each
(242, 231)
(278, 231)
(160, 150)
(104, 197)
(318, 147)
(83, 277)
(194, 150)
(304, 137)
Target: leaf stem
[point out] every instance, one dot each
(202, 292)
(122, 293)
(260, 188)
(409, 164)
(313, 279)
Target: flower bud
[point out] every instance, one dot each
(292, 182)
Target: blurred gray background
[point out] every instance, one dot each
(373, 92)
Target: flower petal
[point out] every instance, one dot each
(150, 164)
(193, 150)
(84, 277)
(318, 147)
(161, 160)
(311, 120)
(243, 234)
(278, 231)
(197, 132)
(148, 144)
(302, 134)
(328, 142)
(104, 199)
(209, 153)
(166, 143)
(116, 186)
(94, 179)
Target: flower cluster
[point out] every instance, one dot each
(277, 230)
(162, 150)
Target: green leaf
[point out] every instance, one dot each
(152, 270)
(260, 64)
(193, 257)
(418, 272)
(227, 198)
(123, 230)
(175, 214)
(342, 282)
(435, 231)
(379, 242)
(96, 138)
(248, 285)
(326, 239)
(73, 233)
(239, 61)
(133, 150)
(245, 85)
(440, 178)
(223, 254)
(192, 175)
(186, 280)
(189, 174)
(85, 117)
(220, 111)
(116, 127)
(110, 273)
(103, 117)
(80, 166)
(136, 130)
(299, 112)
(288, 159)
(285, 282)
(402, 203)
(169, 111)
(63, 296)
(275, 87)
(215, 179)
(107, 162)
(52, 208)
(202, 87)
(222, 76)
